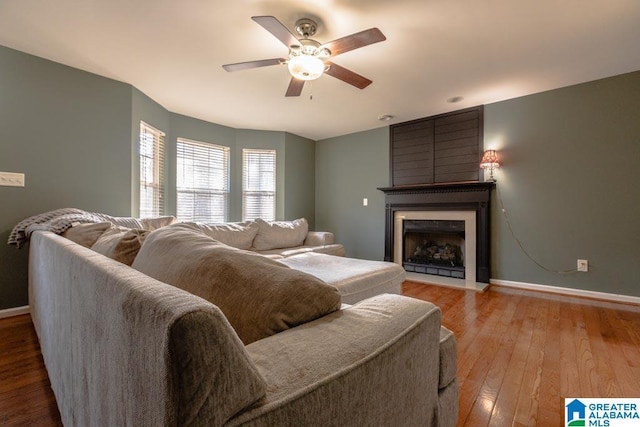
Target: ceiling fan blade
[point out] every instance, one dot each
(276, 28)
(295, 87)
(355, 41)
(253, 64)
(347, 76)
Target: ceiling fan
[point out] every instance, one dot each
(308, 59)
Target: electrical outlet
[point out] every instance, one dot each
(11, 179)
(365, 202)
(583, 265)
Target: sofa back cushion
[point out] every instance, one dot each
(280, 234)
(151, 224)
(237, 234)
(259, 296)
(87, 234)
(136, 223)
(120, 244)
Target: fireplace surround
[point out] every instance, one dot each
(462, 201)
(441, 243)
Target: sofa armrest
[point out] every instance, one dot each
(375, 362)
(122, 348)
(318, 238)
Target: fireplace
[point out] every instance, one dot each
(433, 246)
(443, 229)
(440, 232)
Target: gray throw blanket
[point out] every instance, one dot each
(59, 220)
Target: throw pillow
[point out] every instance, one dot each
(237, 234)
(280, 234)
(151, 224)
(86, 234)
(259, 296)
(120, 244)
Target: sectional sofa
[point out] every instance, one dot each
(180, 338)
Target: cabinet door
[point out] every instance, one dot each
(458, 147)
(437, 149)
(412, 153)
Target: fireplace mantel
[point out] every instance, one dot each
(456, 196)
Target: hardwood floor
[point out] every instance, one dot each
(519, 355)
(26, 398)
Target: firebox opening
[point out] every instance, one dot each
(434, 247)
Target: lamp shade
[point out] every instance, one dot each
(490, 160)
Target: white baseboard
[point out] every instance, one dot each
(627, 299)
(15, 311)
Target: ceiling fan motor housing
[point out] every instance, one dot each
(306, 27)
(311, 48)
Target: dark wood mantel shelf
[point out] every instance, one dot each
(443, 186)
(467, 195)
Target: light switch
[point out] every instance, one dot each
(11, 179)
(365, 202)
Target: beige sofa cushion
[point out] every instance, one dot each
(280, 234)
(237, 234)
(86, 234)
(120, 244)
(448, 362)
(157, 222)
(334, 249)
(259, 296)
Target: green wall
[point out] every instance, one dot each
(569, 185)
(69, 132)
(348, 169)
(300, 183)
(75, 136)
(569, 182)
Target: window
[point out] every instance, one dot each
(202, 181)
(258, 184)
(151, 171)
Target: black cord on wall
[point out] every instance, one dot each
(519, 242)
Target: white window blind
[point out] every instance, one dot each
(202, 181)
(151, 171)
(258, 184)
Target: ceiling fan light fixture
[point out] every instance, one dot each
(306, 61)
(306, 67)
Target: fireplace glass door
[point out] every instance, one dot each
(434, 247)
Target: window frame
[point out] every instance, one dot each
(157, 183)
(270, 193)
(215, 149)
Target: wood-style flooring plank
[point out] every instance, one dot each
(619, 351)
(529, 397)
(26, 398)
(507, 400)
(587, 375)
(548, 409)
(490, 376)
(596, 330)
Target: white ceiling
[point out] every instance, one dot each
(485, 51)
